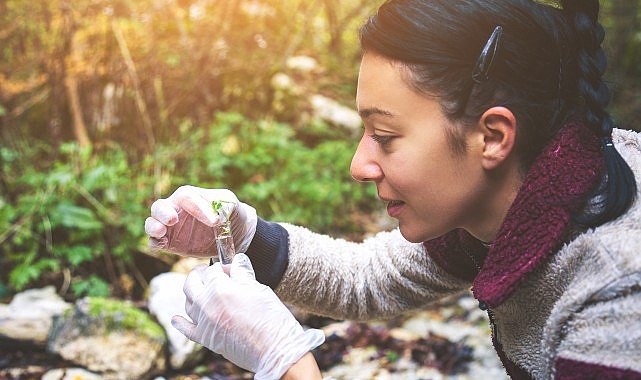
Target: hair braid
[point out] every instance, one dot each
(618, 189)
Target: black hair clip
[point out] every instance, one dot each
(484, 63)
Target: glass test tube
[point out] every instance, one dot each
(224, 239)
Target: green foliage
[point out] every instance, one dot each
(77, 212)
(218, 204)
(93, 286)
(82, 210)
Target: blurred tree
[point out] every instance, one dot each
(131, 71)
(623, 28)
(338, 24)
(69, 58)
(623, 47)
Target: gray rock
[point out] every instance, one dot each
(166, 299)
(30, 314)
(110, 337)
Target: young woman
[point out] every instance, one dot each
(486, 134)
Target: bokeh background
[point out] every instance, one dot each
(107, 105)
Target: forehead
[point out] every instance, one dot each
(377, 73)
(384, 84)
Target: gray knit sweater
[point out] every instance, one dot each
(578, 312)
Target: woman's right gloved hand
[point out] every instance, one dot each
(184, 223)
(243, 320)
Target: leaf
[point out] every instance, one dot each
(94, 286)
(60, 178)
(69, 215)
(22, 275)
(94, 176)
(79, 254)
(48, 264)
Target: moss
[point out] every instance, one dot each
(119, 315)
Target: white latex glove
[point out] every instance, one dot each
(243, 320)
(184, 222)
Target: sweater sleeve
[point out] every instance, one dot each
(378, 278)
(268, 252)
(603, 339)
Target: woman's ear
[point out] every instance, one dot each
(498, 126)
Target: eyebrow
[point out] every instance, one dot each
(368, 112)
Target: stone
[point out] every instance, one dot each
(333, 112)
(29, 316)
(166, 299)
(70, 374)
(110, 337)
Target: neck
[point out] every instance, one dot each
(502, 187)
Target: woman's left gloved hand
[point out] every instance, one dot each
(184, 223)
(243, 320)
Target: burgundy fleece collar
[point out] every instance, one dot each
(539, 220)
(537, 224)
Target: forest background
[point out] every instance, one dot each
(107, 105)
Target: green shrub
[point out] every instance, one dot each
(82, 211)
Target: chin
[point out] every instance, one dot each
(414, 236)
(411, 236)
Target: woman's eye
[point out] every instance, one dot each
(383, 141)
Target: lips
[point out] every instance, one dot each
(394, 208)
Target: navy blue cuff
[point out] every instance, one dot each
(268, 252)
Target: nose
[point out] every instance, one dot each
(364, 167)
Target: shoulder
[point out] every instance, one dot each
(626, 136)
(624, 233)
(602, 256)
(628, 143)
(606, 253)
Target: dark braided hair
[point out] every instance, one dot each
(618, 188)
(547, 70)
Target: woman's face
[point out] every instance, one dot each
(405, 152)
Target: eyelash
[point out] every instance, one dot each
(383, 141)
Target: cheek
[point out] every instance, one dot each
(403, 176)
(417, 174)
(412, 185)
(433, 190)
